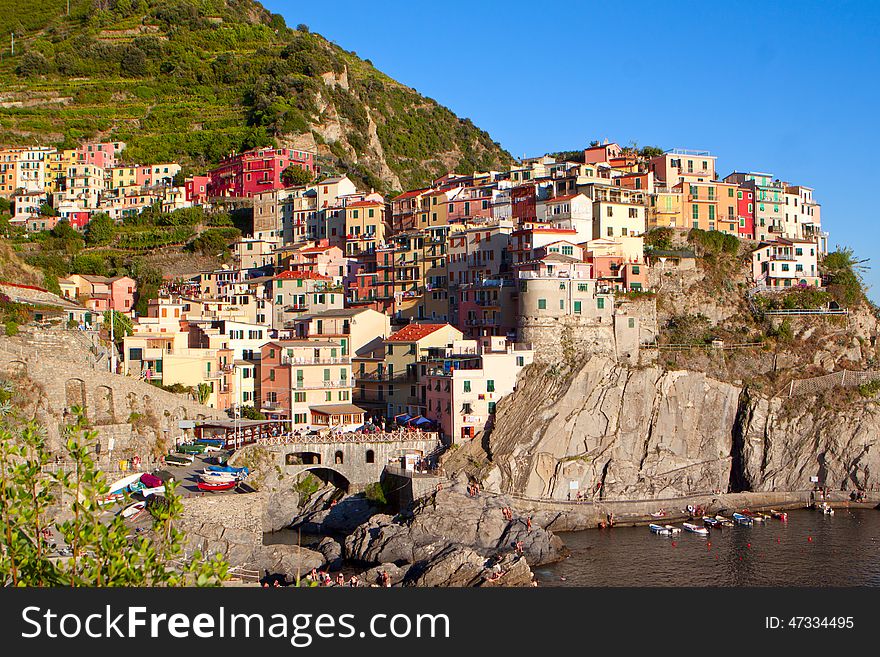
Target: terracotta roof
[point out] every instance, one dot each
(310, 275)
(415, 332)
(559, 199)
(315, 249)
(410, 194)
(363, 204)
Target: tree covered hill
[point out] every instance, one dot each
(191, 80)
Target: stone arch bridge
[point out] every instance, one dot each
(351, 461)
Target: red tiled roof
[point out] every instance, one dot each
(303, 275)
(363, 204)
(316, 249)
(409, 194)
(559, 199)
(415, 332)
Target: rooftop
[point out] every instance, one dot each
(415, 332)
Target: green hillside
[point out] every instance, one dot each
(191, 80)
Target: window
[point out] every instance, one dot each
(730, 192)
(577, 307)
(467, 386)
(562, 304)
(609, 211)
(328, 395)
(695, 212)
(631, 322)
(636, 269)
(567, 250)
(520, 361)
(299, 397)
(271, 373)
(600, 303)
(711, 213)
(491, 408)
(798, 251)
(542, 304)
(610, 231)
(490, 385)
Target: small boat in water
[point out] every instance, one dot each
(742, 519)
(724, 521)
(673, 530)
(826, 509)
(216, 486)
(756, 517)
(659, 529)
(696, 529)
(779, 515)
(712, 523)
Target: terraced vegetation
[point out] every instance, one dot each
(192, 80)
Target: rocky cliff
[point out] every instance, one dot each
(612, 432)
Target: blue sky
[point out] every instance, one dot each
(787, 88)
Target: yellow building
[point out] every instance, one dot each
(364, 226)
(665, 210)
(123, 177)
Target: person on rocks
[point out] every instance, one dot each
(340, 580)
(519, 547)
(354, 581)
(386, 579)
(529, 524)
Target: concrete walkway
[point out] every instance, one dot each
(558, 516)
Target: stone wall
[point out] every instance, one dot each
(61, 364)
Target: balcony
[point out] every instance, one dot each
(293, 360)
(271, 406)
(322, 385)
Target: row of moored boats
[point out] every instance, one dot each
(718, 522)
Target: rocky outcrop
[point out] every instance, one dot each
(459, 566)
(320, 516)
(613, 433)
(451, 517)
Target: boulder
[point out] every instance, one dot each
(287, 560)
(331, 550)
(321, 516)
(459, 566)
(451, 517)
(279, 510)
(374, 575)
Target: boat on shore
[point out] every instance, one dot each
(216, 486)
(779, 515)
(695, 529)
(659, 529)
(217, 477)
(179, 459)
(712, 523)
(132, 510)
(742, 519)
(659, 514)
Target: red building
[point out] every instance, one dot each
(745, 209)
(197, 189)
(523, 204)
(242, 175)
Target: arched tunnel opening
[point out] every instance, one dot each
(328, 476)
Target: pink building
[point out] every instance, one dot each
(156, 174)
(104, 155)
(242, 175)
(100, 293)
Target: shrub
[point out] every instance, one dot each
(11, 328)
(375, 493)
(870, 389)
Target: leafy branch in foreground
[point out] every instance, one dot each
(101, 549)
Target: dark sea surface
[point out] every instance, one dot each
(810, 549)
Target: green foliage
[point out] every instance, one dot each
(100, 230)
(203, 392)
(251, 413)
(783, 333)
(714, 241)
(659, 238)
(844, 272)
(11, 327)
(122, 324)
(648, 152)
(687, 329)
(294, 176)
(198, 88)
(102, 553)
(90, 264)
(870, 389)
(375, 493)
(793, 298)
(215, 241)
(307, 485)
